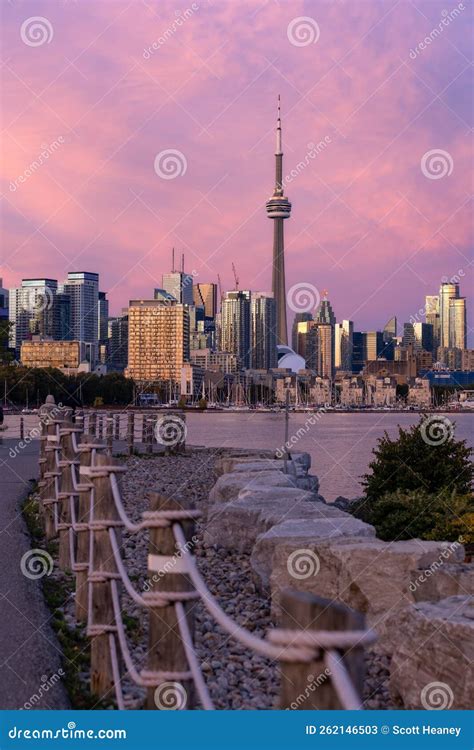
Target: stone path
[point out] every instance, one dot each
(30, 656)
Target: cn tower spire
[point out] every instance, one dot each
(278, 209)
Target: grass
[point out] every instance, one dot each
(56, 591)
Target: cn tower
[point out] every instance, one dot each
(278, 209)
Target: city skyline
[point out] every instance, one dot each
(367, 222)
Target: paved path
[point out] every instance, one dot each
(29, 651)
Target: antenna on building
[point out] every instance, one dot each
(182, 262)
(172, 260)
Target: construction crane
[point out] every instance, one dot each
(236, 278)
(219, 284)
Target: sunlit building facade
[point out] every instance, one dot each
(158, 340)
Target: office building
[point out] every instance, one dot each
(205, 295)
(118, 342)
(457, 323)
(235, 333)
(31, 310)
(300, 317)
(263, 321)
(158, 340)
(343, 335)
(82, 287)
(3, 302)
(423, 336)
(447, 292)
(62, 355)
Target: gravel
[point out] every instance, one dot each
(236, 677)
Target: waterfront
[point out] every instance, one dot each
(340, 445)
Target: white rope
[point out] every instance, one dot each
(288, 653)
(187, 639)
(322, 638)
(342, 681)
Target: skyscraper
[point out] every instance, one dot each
(325, 323)
(343, 334)
(205, 295)
(158, 340)
(31, 310)
(300, 317)
(447, 292)
(423, 336)
(179, 284)
(264, 348)
(457, 323)
(83, 289)
(278, 209)
(235, 333)
(432, 318)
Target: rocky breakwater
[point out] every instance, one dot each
(270, 510)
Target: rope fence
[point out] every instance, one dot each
(81, 505)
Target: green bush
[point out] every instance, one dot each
(420, 514)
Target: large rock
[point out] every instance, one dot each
(433, 654)
(237, 525)
(226, 463)
(441, 581)
(370, 576)
(228, 486)
(300, 534)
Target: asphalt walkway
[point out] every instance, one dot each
(30, 656)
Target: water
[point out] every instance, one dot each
(340, 445)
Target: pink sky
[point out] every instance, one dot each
(367, 224)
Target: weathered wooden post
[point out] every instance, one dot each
(308, 685)
(149, 434)
(102, 569)
(93, 423)
(167, 572)
(85, 488)
(144, 418)
(51, 475)
(109, 432)
(100, 426)
(22, 428)
(130, 431)
(116, 418)
(68, 460)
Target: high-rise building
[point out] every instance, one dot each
(235, 326)
(279, 209)
(62, 317)
(118, 342)
(457, 323)
(158, 340)
(3, 302)
(432, 318)
(390, 330)
(179, 284)
(343, 334)
(373, 345)
(103, 318)
(300, 317)
(31, 310)
(447, 292)
(408, 334)
(324, 349)
(82, 287)
(307, 344)
(423, 336)
(263, 319)
(205, 295)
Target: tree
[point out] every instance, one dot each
(426, 456)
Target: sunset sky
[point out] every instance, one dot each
(367, 223)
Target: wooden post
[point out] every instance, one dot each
(149, 434)
(102, 566)
(308, 685)
(22, 428)
(144, 418)
(93, 423)
(165, 648)
(109, 432)
(116, 418)
(100, 426)
(130, 432)
(82, 534)
(67, 460)
(51, 479)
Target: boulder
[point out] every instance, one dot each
(441, 581)
(368, 575)
(228, 486)
(328, 524)
(226, 463)
(432, 663)
(237, 524)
